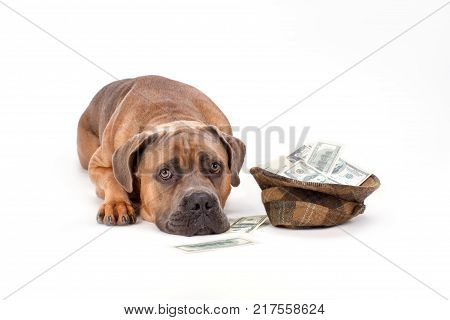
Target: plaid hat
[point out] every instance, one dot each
(293, 203)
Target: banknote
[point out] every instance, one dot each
(277, 165)
(248, 224)
(212, 245)
(346, 173)
(300, 154)
(323, 156)
(301, 171)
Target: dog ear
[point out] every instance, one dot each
(126, 157)
(236, 153)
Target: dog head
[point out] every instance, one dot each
(184, 174)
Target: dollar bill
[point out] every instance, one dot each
(282, 163)
(301, 171)
(247, 224)
(300, 154)
(323, 157)
(213, 245)
(346, 173)
(276, 166)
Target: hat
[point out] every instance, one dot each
(294, 203)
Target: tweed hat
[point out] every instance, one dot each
(294, 203)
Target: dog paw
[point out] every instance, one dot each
(119, 213)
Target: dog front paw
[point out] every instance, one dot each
(116, 213)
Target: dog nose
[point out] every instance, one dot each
(200, 202)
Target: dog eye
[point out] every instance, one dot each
(165, 174)
(215, 167)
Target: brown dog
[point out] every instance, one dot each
(163, 147)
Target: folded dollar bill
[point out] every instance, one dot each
(213, 245)
(323, 156)
(248, 224)
(300, 154)
(277, 165)
(346, 173)
(321, 163)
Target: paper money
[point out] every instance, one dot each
(345, 173)
(299, 168)
(323, 156)
(300, 154)
(301, 171)
(247, 224)
(212, 245)
(276, 166)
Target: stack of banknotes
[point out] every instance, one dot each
(320, 162)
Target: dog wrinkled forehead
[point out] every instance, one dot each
(177, 127)
(185, 143)
(191, 137)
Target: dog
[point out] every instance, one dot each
(161, 149)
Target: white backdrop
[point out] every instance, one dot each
(254, 59)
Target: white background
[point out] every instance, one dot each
(254, 59)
